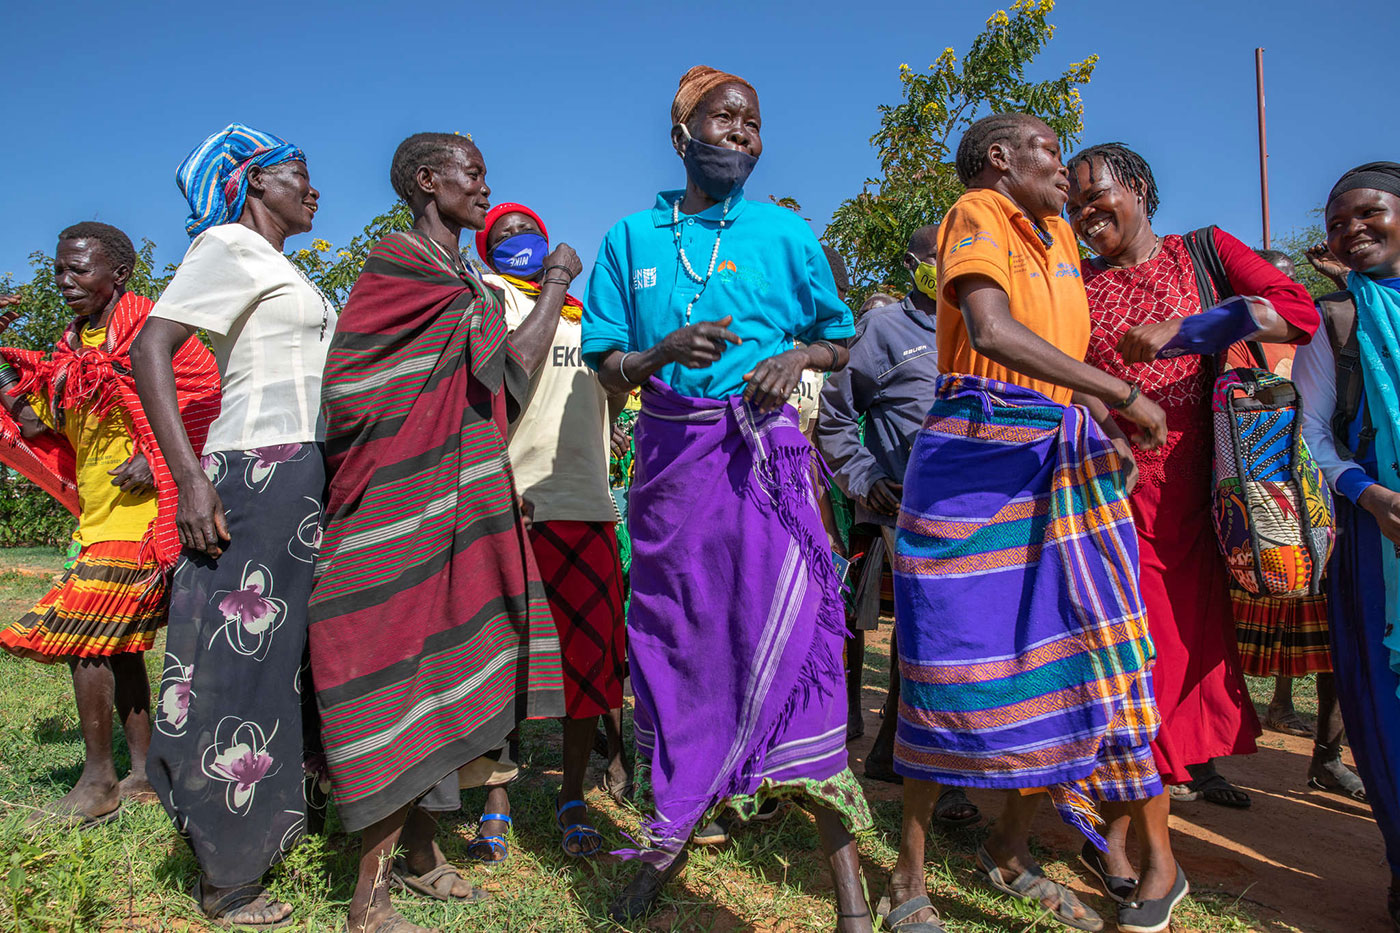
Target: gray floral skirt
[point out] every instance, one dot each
(235, 726)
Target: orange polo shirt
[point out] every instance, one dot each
(986, 234)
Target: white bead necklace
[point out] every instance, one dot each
(685, 262)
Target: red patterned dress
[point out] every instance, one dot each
(1206, 710)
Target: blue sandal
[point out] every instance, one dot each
(581, 834)
(497, 848)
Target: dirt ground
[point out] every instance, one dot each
(1301, 859)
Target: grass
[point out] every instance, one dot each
(135, 874)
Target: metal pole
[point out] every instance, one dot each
(1263, 143)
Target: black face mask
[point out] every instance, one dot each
(718, 170)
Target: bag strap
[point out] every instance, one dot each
(1213, 284)
(1339, 314)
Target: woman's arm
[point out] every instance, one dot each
(695, 346)
(200, 515)
(532, 339)
(995, 334)
(1295, 317)
(772, 382)
(1284, 312)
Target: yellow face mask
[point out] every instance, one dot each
(926, 279)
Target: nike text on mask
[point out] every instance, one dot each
(522, 254)
(718, 170)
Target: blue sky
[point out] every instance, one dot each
(568, 101)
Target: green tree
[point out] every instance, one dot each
(335, 270)
(917, 139)
(1296, 243)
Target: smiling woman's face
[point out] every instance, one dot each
(1363, 231)
(1102, 210)
(1035, 174)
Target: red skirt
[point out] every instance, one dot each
(1282, 637)
(113, 600)
(1200, 689)
(582, 572)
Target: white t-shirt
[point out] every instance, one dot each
(270, 329)
(559, 444)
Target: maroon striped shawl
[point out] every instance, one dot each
(430, 634)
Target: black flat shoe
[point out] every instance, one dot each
(639, 897)
(1120, 889)
(882, 771)
(715, 833)
(1156, 915)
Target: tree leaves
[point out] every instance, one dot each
(917, 138)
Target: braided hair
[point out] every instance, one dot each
(420, 149)
(1127, 167)
(115, 244)
(998, 128)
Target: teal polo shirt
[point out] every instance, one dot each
(771, 275)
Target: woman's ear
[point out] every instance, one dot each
(999, 156)
(680, 138)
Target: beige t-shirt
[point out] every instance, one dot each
(270, 329)
(559, 444)
(806, 398)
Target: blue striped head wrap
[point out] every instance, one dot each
(214, 177)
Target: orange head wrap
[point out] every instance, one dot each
(695, 84)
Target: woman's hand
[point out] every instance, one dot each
(199, 518)
(884, 496)
(1130, 468)
(1321, 259)
(7, 318)
(772, 382)
(562, 255)
(697, 346)
(1149, 416)
(1384, 505)
(134, 476)
(1141, 344)
(620, 439)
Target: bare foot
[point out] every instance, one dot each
(384, 919)
(245, 904)
(136, 789)
(86, 802)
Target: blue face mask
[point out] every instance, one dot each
(717, 170)
(522, 254)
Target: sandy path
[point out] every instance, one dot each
(1302, 859)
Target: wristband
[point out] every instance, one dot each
(8, 376)
(1133, 393)
(830, 348)
(557, 265)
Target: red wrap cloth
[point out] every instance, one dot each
(99, 379)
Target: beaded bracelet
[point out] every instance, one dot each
(8, 376)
